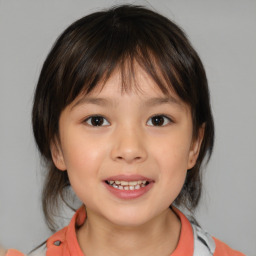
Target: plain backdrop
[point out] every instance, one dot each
(224, 34)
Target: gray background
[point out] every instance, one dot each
(223, 32)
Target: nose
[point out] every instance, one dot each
(129, 146)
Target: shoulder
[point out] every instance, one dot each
(205, 244)
(50, 245)
(13, 252)
(40, 251)
(223, 249)
(63, 241)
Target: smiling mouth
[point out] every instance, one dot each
(127, 185)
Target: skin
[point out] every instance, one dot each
(127, 143)
(2, 251)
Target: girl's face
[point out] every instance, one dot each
(126, 154)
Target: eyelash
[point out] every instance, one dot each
(89, 119)
(165, 119)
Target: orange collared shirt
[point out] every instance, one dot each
(64, 242)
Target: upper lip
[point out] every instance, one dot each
(130, 177)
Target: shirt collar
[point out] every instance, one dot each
(185, 245)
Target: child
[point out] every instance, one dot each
(122, 115)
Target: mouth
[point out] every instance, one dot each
(127, 185)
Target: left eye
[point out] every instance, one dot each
(159, 120)
(97, 121)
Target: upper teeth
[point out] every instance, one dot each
(126, 183)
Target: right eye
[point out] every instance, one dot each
(97, 121)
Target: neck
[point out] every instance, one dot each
(159, 236)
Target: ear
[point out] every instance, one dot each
(195, 147)
(57, 155)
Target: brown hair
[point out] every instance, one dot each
(88, 51)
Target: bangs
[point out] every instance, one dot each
(119, 43)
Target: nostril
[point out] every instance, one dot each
(128, 155)
(129, 158)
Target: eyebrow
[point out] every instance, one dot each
(162, 100)
(95, 101)
(107, 102)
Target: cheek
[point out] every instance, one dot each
(172, 159)
(173, 175)
(174, 168)
(82, 157)
(81, 152)
(173, 154)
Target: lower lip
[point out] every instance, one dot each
(129, 194)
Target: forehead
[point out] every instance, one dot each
(141, 87)
(128, 82)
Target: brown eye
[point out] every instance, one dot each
(97, 121)
(159, 120)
